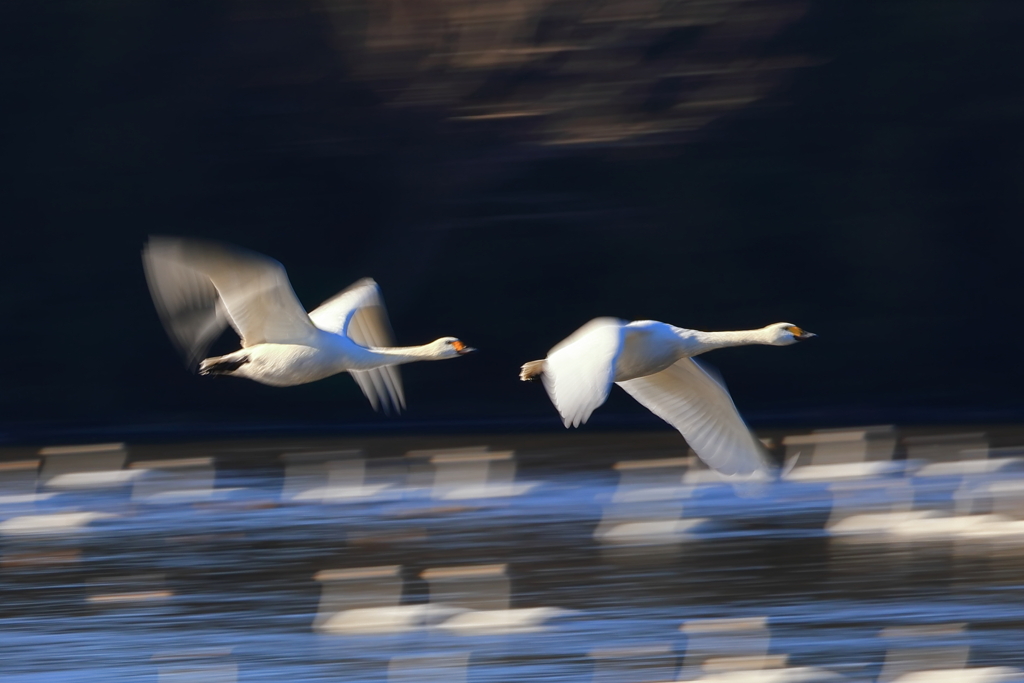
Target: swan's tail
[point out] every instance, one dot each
(532, 370)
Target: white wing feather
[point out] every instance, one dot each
(690, 399)
(579, 370)
(187, 302)
(358, 312)
(198, 287)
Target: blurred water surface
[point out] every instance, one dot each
(237, 562)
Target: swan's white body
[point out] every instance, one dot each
(200, 288)
(654, 363)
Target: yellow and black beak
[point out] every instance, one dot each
(800, 333)
(461, 348)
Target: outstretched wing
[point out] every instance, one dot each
(690, 399)
(578, 371)
(358, 312)
(200, 287)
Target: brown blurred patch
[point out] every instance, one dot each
(624, 71)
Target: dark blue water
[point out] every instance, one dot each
(219, 585)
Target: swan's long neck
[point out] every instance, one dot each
(709, 341)
(406, 354)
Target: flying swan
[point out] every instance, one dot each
(200, 287)
(654, 363)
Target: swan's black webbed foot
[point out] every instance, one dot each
(221, 366)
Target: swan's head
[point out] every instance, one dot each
(784, 334)
(450, 347)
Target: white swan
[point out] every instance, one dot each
(654, 363)
(199, 288)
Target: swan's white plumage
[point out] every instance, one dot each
(200, 288)
(687, 397)
(217, 285)
(579, 370)
(653, 362)
(358, 312)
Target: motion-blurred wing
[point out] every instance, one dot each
(187, 302)
(578, 371)
(358, 312)
(252, 289)
(691, 400)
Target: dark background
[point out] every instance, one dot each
(508, 170)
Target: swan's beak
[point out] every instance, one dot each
(804, 334)
(462, 349)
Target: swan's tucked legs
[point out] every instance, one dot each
(223, 365)
(532, 370)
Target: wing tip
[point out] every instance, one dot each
(393, 405)
(365, 282)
